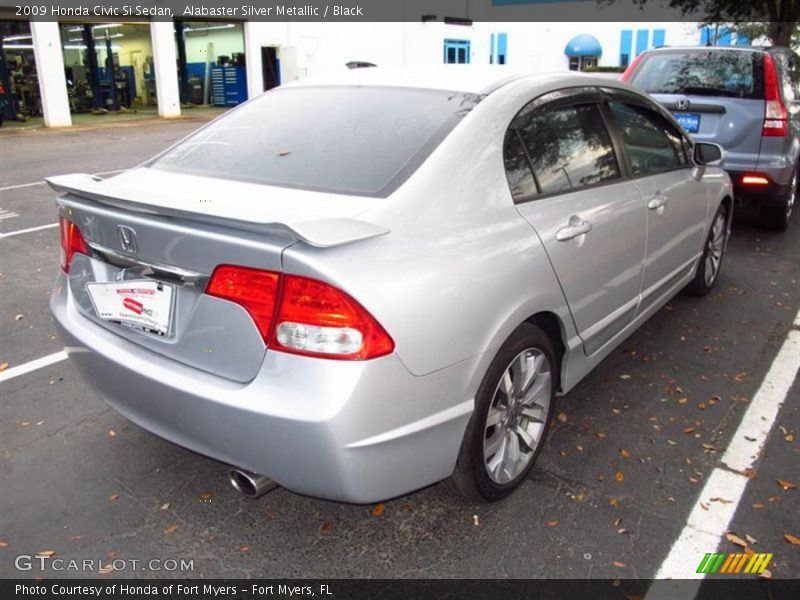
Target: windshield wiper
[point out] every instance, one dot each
(709, 91)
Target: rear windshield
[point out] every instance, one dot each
(353, 140)
(702, 72)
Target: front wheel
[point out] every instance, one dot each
(711, 261)
(513, 408)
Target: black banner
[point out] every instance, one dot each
(439, 589)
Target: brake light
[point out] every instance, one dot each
(304, 316)
(253, 289)
(755, 180)
(71, 242)
(632, 67)
(776, 117)
(316, 319)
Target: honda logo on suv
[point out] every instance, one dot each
(127, 239)
(682, 104)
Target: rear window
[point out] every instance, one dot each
(352, 140)
(729, 73)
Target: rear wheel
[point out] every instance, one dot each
(513, 408)
(777, 217)
(711, 261)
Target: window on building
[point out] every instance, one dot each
(456, 52)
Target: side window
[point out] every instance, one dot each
(654, 145)
(518, 170)
(569, 147)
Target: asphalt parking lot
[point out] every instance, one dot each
(625, 466)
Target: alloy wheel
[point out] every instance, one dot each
(714, 248)
(517, 417)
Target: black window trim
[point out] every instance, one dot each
(570, 96)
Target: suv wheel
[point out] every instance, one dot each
(777, 217)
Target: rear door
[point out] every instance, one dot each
(676, 202)
(566, 180)
(717, 95)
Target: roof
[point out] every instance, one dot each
(471, 79)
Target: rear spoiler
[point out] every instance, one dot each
(320, 233)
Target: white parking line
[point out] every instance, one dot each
(725, 488)
(25, 185)
(33, 365)
(29, 230)
(4, 214)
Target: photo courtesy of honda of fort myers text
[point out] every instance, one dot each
(422, 299)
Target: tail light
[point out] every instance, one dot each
(254, 290)
(71, 242)
(776, 117)
(303, 316)
(631, 68)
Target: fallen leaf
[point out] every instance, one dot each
(701, 406)
(171, 529)
(284, 152)
(476, 520)
(613, 501)
(326, 527)
(552, 523)
(245, 548)
(689, 430)
(735, 539)
(758, 505)
(378, 509)
(624, 376)
(3, 366)
(619, 565)
(165, 506)
(206, 496)
(46, 553)
(562, 417)
(270, 515)
(3, 544)
(600, 435)
(619, 476)
(624, 453)
(786, 485)
(750, 539)
(113, 497)
(112, 433)
(740, 377)
(19, 317)
(721, 500)
(792, 539)
(704, 506)
(563, 452)
(789, 438)
(683, 401)
(766, 574)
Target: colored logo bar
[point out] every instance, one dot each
(723, 562)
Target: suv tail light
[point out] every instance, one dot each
(776, 117)
(304, 316)
(71, 242)
(631, 68)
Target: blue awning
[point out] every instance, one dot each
(583, 45)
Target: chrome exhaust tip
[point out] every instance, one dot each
(250, 484)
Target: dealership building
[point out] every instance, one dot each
(60, 68)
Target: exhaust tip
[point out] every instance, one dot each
(250, 484)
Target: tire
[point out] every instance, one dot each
(713, 252)
(486, 469)
(777, 218)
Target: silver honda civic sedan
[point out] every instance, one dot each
(359, 286)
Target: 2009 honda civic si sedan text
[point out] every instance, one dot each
(360, 286)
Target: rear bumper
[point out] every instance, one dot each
(770, 194)
(349, 431)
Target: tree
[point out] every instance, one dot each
(779, 18)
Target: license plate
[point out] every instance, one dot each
(689, 121)
(142, 304)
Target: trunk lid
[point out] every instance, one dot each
(174, 229)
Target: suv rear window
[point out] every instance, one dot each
(352, 140)
(731, 73)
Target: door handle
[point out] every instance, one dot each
(658, 201)
(576, 228)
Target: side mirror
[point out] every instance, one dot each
(707, 154)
